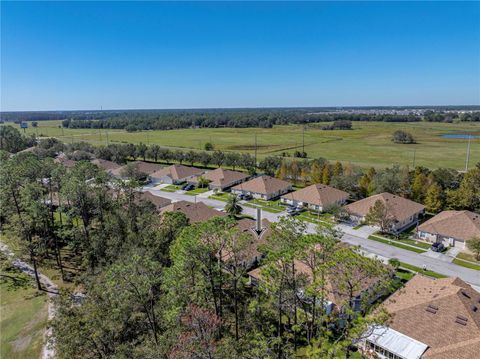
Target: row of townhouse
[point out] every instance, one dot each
(452, 228)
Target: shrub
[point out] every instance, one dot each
(403, 137)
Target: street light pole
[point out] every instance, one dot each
(468, 152)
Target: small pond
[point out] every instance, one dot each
(459, 135)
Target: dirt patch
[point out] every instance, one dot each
(22, 343)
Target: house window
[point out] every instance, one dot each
(383, 352)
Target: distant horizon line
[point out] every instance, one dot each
(253, 108)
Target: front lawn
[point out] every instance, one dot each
(403, 275)
(266, 209)
(420, 270)
(221, 196)
(404, 240)
(412, 242)
(396, 244)
(171, 188)
(466, 264)
(196, 191)
(269, 206)
(322, 216)
(467, 257)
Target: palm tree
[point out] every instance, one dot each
(233, 207)
(203, 182)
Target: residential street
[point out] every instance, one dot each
(352, 236)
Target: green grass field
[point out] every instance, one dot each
(23, 316)
(367, 144)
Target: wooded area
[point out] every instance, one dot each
(136, 120)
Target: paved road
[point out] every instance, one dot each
(354, 237)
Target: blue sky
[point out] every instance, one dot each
(197, 55)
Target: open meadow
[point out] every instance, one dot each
(367, 144)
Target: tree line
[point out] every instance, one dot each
(171, 121)
(438, 189)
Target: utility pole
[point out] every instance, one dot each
(303, 140)
(414, 158)
(468, 152)
(255, 151)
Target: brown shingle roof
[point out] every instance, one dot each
(195, 212)
(177, 172)
(105, 165)
(442, 313)
(263, 185)
(143, 167)
(158, 202)
(222, 178)
(462, 225)
(398, 207)
(318, 194)
(147, 167)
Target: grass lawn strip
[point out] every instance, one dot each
(170, 188)
(466, 264)
(421, 271)
(397, 244)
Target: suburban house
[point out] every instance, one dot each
(252, 253)
(107, 166)
(402, 212)
(143, 167)
(336, 293)
(220, 178)
(452, 228)
(157, 201)
(316, 197)
(174, 174)
(264, 187)
(195, 212)
(430, 318)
